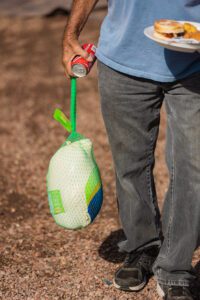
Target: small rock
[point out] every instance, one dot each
(107, 282)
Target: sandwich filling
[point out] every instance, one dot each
(168, 29)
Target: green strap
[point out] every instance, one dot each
(62, 119)
(73, 104)
(59, 116)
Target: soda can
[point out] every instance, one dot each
(80, 66)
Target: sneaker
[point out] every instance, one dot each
(174, 292)
(136, 270)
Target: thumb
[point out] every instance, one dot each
(80, 51)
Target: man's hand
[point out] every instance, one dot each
(72, 48)
(80, 12)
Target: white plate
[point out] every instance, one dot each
(181, 45)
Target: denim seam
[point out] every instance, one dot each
(149, 180)
(172, 192)
(179, 282)
(174, 282)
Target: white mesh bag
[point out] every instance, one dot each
(74, 184)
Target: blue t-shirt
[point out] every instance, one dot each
(124, 47)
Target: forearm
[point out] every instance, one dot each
(80, 12)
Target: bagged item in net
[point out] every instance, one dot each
(74, 184)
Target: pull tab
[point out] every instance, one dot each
(62, 119)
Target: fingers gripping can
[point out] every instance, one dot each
(80, 66)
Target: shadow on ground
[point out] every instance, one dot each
(58, 12)
(109, 249)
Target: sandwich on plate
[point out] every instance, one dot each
(169, 29)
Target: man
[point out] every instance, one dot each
(135, 76)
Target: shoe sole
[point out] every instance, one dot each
(131, 288)
(160, 291)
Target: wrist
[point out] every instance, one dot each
(72, 31)
(70, 37)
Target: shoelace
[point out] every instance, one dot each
(143, 258)
(137, 259)
(131, 258)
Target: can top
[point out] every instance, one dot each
(79, 70)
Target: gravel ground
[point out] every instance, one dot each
(38, 259)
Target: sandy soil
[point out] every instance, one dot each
(32, 8)
(38, 259)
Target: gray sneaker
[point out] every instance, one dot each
(136, 270)
(174, 292)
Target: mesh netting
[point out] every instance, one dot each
(74, 183)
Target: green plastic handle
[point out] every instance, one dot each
(73, 104)
(62, 119)
(69, 125)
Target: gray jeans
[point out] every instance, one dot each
(131, 111)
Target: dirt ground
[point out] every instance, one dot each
(38, 259)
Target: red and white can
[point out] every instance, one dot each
(80, 66)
